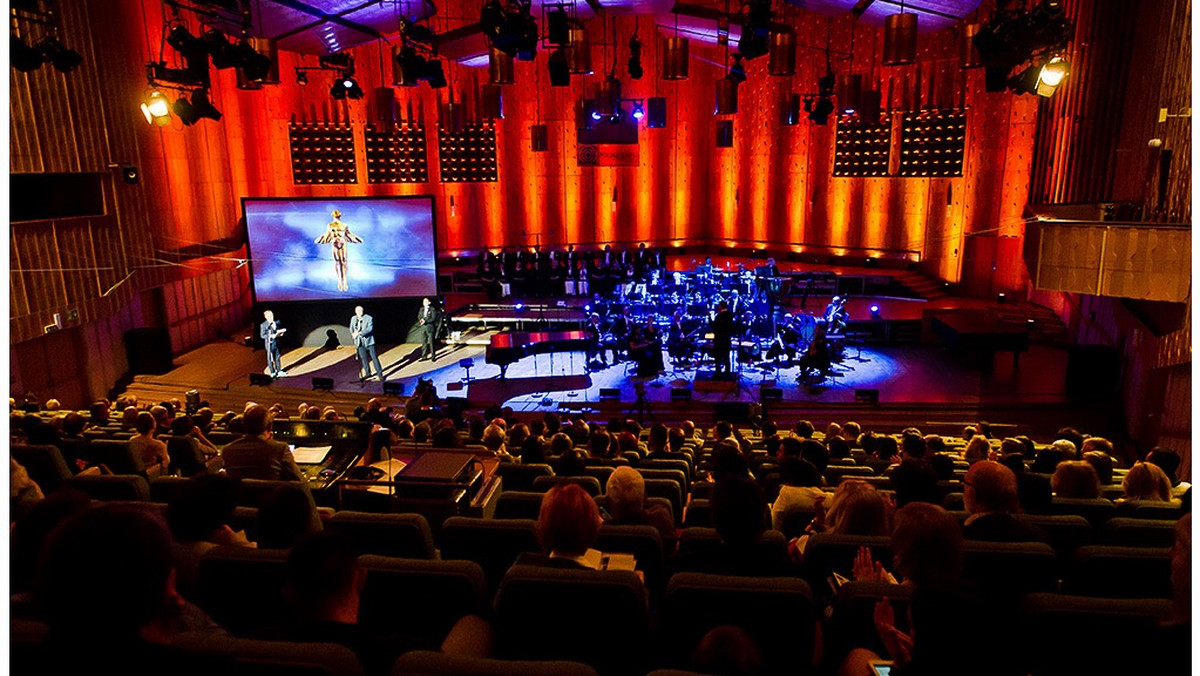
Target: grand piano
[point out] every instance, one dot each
(510, 346)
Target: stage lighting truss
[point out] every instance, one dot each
(1013, 38)
(637, 111)
(419, 65)
(27, 54)
(157, 109)
(510, 27)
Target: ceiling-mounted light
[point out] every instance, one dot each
(204, 108)
(185, 111)
(23, 57)
(635, 58)
(1041, 79)
(57, 55)
(156, 109)
(638, 111)
(675, 58)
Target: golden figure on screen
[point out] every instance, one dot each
(338, 234)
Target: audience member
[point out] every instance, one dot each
(914, 480)
(1103, 464)
(799, 490)
(990, 496)
(145, 446)
(727, 651)
(739, 515)
(977, 449)
(625, 504)
(567, 527)
(1075, 479)
(1145, 482)
(285, 515)
(1167, 460)
(201, 518)
(1033, 490)
(255, 455)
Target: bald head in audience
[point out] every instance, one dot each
(256, 420)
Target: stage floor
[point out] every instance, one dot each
(927, 374)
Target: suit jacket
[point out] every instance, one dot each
(252, 457)
(432, 315)
(1001, 527)
(267, 330)
(366, 325)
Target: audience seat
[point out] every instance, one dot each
(593, 487)
(1120, 572)
(112, 486)
(829, 552)
(241, 588)
(697, 513)
(518, 505)
(494, 544)
(252, 493)
(248, 657)
(672, 474)
(600, 472)
(954, 501)
(168, 488)
(420, 599)
(1151, 509)
(1009, 569)
(1071, 635)
(1095, 510)
(646, 545)
(777, 612)
(699, 541)
(516, 476)
(670, 463)
(1130, 532)
(597, 617)
(835, 473)
(430, 663)
(45, 465)
(1067, 531)
(851, 621)
(117, 457)
(667, 489)
(401, 535)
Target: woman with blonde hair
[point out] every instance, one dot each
(856, 508)
(1146, 481)
(1075, 479)
(978, 448)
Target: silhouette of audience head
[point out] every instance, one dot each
(990, 487)
(625, 493)
(738, 509)
(286, 515)
(323, 580)
(1166, 459)
(728, 651)
(914, 480)
(256, 420)
(1146, 481)
(1075, 479)
(927, 544)
(858, 509)
(568, 522)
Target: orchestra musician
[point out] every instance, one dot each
(621, 328)
(817, 360)
(836, 315)
(645, 348)
(598, 350)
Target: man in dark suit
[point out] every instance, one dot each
(429, 318)
(270, 331)
(722, 329)
(362, 330)
(990, 495)
(256, 455)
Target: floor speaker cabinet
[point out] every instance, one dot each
(148, 351)
(1093, 372)
(681, 394)
(610, 393)
(319, 383)
(866, 397)
(771, 394)
(261, 379)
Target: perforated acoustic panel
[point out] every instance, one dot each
(322, 153)
(932, 142)
(468, 155)
(398, 156)
(862, 149)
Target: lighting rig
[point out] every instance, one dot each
(47, 48)
(510, 28)
(1032, 41)
(415, 60)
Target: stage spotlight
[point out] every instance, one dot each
(224, 55)
(615, 118)
(353, 91)
(24, 58)
(559, 66)
(874, 312)
(635, 58)
(1052, 75)
(435, 75)
(519, 306)
(254, 65)
(301, 77)
(204, 108)
(638, 111)
(596, 115)
(185, 111)
(53, 51)
(157, 109)
(819, 110)
(558, 30)
(587, 308)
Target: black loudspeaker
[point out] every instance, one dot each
(736, 412)
(539, 138)
(393, 388)
(1093, 372)
(557, 27)
(560, 68)
(656, 112)
(724, 133)
(771, 394)
(610, 393)
(260, 379)
(789, 112)
(322, 383)
(681, 394)
(866, 396)
(130, 174)
(148, 351)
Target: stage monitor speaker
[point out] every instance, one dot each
(260, 379)
(393, 388)
(866, 396)
(737, 412)
(681, 394)
(322, 383)
(1093, 372)
(771, 394)
(191, 401)
(610, 393)
(656, 112)
(148, 351)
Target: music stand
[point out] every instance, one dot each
(466, 364)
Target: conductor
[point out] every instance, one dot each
(362, 330)
(270, 331)
(722, 329)
(429, 319)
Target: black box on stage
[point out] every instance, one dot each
(771, 394)
(866, 396)
(319, 383)
(393, 388)
(681, 394)
(610, 393)
(737, 412)
(260, 379)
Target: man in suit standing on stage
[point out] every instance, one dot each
(429, 319)
(722, 329)
(362, 330)
(270, 331)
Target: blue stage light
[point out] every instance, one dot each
(596, 115)
(638, 111)
(874, 309)
(520, 306)
(587, 308)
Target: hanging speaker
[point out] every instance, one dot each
(726, 97)
(539, 138)
(724, 133)
(500, 67)
(781, 55)
(491, 102)
(675, 58)
(871, 107)
(656, 112)
(401, 77)
(579, 53)
(559, 66)
(790, 110)
(968, 53)
(900, 39)
(849, 92)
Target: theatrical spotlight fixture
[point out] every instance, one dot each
(818, 109)
(24, 58)
(1013, 37)
(157, 109)
(185, 111)
(756, 28)
(638, 110)
(63, 59)
(203, 107)
(1051, 75)
(635, 58)
(509, 27)
(301, 77)
(345, 86)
